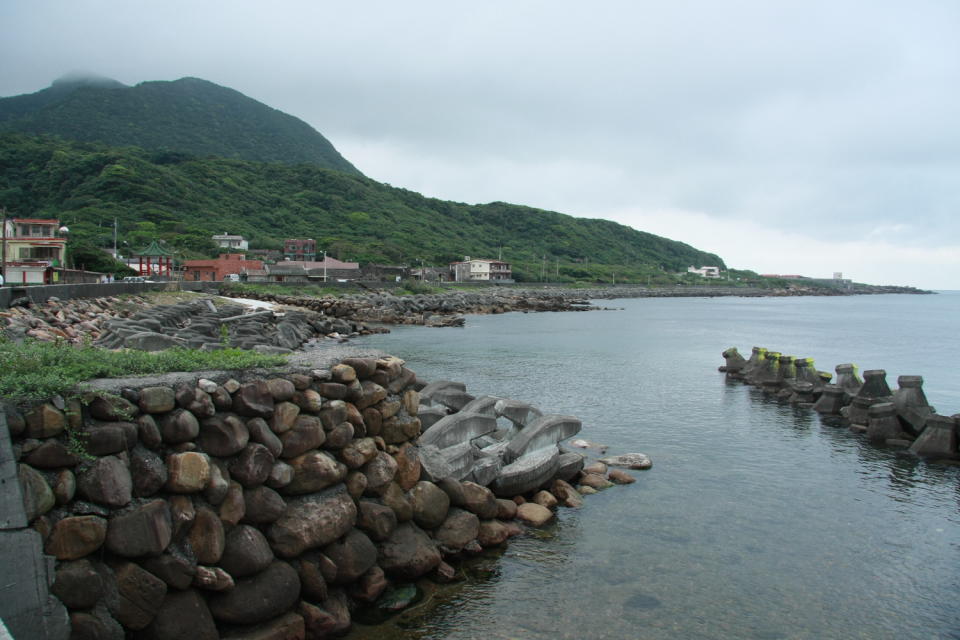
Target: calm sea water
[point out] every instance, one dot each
(756, 521)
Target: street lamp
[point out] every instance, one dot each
(64, 232)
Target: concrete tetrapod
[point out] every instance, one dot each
(545, 431)
(754, 365)
(807, 372)
(768, 374)
(733, 362)
(831, 400)
(882, 424)
(519, 413)
(438, 386)
(483, 405)
(457, 428)
(912, 406)
(848, 380)
(939, 438)
(527, 473)
(875, 385)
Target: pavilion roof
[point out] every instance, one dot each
(154, 249)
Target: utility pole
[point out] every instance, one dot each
(115, 256)
(324, 265)
(3, 257)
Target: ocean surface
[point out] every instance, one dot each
(757, 520)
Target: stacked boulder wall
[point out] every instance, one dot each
(269, 506)
(312, 521)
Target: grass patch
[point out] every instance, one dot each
(39, 370)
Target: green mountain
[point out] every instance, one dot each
(183, 199)
(187, 115)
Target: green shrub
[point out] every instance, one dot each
(39, 370)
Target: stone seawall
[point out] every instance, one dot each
(271, 505)
(899, 418)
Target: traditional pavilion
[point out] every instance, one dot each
(154, 260)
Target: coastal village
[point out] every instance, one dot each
(35, 252)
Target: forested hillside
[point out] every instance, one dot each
(187, 115)
(184, 199)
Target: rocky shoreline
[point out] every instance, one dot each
(113, 321)
(136, 322)
(273, 505)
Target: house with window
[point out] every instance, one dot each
(300, 249)
(217, 270)
(481, 270)
(705, 272)
(227, 241)
(32, 249)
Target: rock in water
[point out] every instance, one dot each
(629, 460)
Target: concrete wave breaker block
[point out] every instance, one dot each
(544, 432)
(430, 416)
(527, 473)
(433, 463)
(426, 394)
(450, 462)
(452, 399)
(483, 405)
(939, 438)
(519, 413)
(494, 450)
(460, 458)
(485, 470)
(458, 428)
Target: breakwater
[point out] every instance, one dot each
(136, 322)
(270, 505)
(900, 417)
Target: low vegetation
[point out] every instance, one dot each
(37, 370)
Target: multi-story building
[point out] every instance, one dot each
(300, 249)
(480, 270)
(32, 248)
(227, 241)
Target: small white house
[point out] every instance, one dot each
(227, 241)
(705, 272)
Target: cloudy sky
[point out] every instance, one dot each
(793, 136)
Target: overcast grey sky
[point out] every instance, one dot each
(786, 136)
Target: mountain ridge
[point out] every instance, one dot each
(189, 115)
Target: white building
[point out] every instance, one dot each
(705, 272)
(227, 241)
(480, 270)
